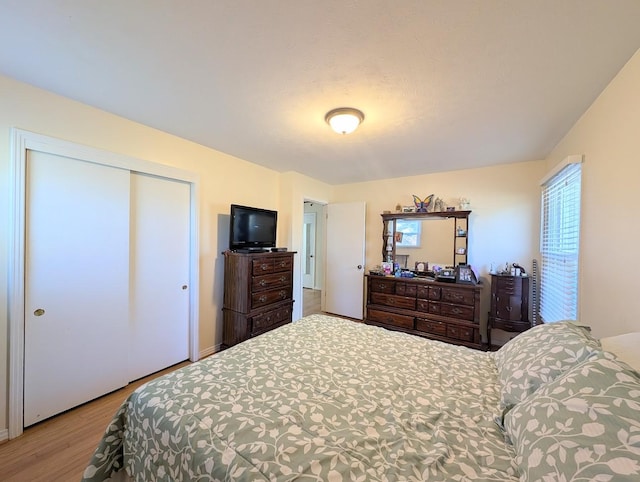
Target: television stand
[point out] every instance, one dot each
(258, 294)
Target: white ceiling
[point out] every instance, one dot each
(444, 84)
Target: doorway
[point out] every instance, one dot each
(313, 234)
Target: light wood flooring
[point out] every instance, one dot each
(59, 448)
(310, 301)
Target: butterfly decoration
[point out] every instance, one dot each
(422, 206)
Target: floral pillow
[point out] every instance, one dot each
(538, 356)
(584, 425)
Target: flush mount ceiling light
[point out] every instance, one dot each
(344, 120)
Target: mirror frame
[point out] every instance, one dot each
(389, 230)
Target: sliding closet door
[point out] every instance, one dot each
(76, 283)
(160, 226)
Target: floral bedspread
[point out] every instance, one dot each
(320, 399)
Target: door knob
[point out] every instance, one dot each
(359, 266)
(39, 312)
(184, 287)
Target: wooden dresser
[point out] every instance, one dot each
(509, 304)
(441, 311)
(258, 294)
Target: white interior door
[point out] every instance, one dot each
(309, 251)
(159, 335)
(76, 283)
(344, 286)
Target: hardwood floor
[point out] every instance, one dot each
(310, 301)
(59, 448)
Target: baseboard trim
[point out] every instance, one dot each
(4, 435)
(209, 351)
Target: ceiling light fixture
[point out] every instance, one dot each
(344, 120)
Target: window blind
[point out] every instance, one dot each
(559, 245)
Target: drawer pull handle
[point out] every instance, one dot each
(264, 267)
(263, 282)
(282, 294)
(456, 311)
(262, 298)
(282, 279)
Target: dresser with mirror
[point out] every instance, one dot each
(414, 300)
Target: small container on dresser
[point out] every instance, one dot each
(258, 294)
(509, 304)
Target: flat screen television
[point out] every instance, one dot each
(252, 228)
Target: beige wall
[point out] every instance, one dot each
(608, 135)
(223, 180)
(503, 226)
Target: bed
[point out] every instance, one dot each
(326, 398)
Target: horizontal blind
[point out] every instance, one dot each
(559, 245)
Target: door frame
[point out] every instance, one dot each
(305, 253)
(21, 142)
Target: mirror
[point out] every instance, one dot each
(430, 241)
(435, 238)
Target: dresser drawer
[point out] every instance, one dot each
(509, 285)
(381, 285)
(510, 325)
(422, 305)
(509, 307)
(429, 326)
(283, 264)
(264, 298)
(267, 281)
(460, 312)
(460, 332)
(393, 300)
(429, 292)
(393, 319)
(265, 321)
(261, 266)
(406, 289)
(458, 296)
(271, 265)
(435, 293)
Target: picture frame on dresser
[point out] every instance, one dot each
(421, 266)
(466, 275)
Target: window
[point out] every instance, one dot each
(559, 242)
(408, 233)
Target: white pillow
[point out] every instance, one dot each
(626, 347)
